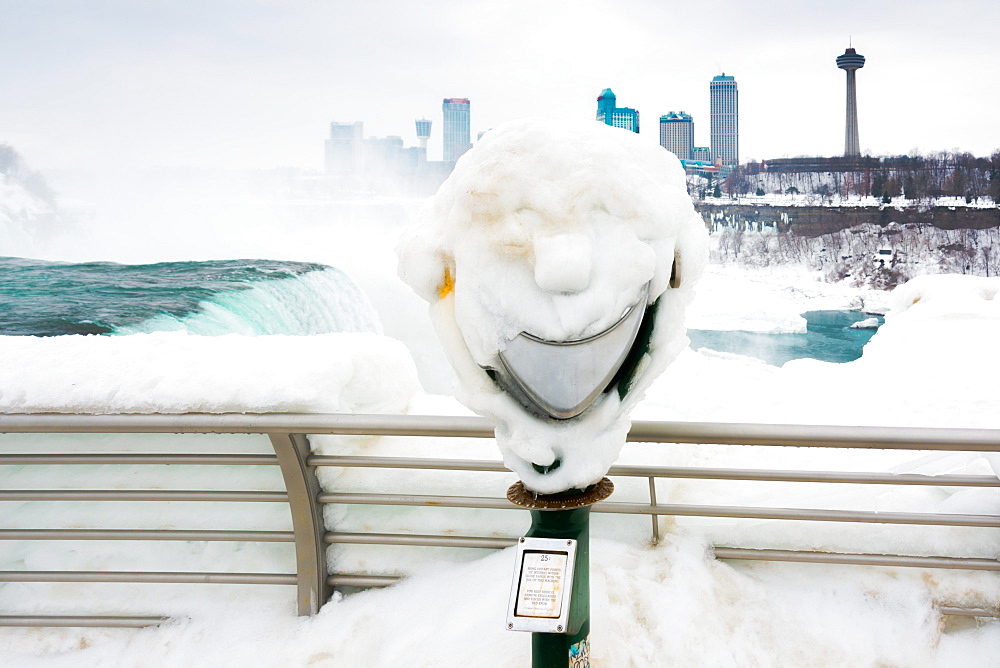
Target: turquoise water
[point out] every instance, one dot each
(829, 337)
(39, 298)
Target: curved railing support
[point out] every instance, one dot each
(307, 520)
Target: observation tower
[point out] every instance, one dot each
(423, 131)
(851, 62)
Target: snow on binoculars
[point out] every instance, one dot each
(558, 259)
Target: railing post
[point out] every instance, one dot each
(307, 520)
(654, 516)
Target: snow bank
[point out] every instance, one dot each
(554, 229)
(173, 372)
(652, 607)
(932, 363)
(771, 300)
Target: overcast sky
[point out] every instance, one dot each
(255, 83)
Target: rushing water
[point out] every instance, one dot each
(829, 337)
(39, 298)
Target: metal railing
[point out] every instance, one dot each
(288, 437)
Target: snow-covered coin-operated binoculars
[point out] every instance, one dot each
(558, 259)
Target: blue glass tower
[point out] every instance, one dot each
(457, 127)
(619, 117)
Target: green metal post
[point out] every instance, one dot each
(565, 516)
(553, 650)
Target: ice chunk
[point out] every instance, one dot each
(867, 323)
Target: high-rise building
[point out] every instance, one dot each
(851, 62)
(677, 134)
(725, 120)
(619, 117)
(383, 154)
(423, 132)
(701, 154)
(344, 154)
(457, 128)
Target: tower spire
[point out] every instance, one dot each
(851, 61)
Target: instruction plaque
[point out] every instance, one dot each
(542, 586)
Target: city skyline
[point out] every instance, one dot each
(252, 85)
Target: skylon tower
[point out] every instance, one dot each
(851, 62)
(423, 132)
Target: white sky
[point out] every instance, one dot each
(255, 83)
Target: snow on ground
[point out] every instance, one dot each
(357, 372)
(933, 350)
(730, 297)
(815, 199)
(933, 363)
(663, 606)
(916, 371)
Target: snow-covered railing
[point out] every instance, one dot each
(288, 436)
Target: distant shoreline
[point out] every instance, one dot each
(813, 220)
